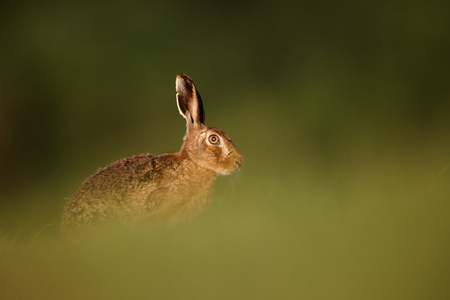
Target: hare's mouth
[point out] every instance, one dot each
(230, 170)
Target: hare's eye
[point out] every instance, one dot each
(213, 139)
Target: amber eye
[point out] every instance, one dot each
(214, 139)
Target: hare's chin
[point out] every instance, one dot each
(228, 172)
(225, 172)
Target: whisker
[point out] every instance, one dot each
(234, 180)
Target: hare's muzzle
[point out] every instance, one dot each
(238, 161)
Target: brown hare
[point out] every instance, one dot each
(170, 187)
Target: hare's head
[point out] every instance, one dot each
(208, 147)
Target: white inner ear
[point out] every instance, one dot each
(179, 109)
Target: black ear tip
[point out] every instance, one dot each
(185, 77)
(183, 82)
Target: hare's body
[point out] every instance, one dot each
(169, 187)
(138, 188)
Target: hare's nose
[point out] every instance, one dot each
(239, 161)
(238, 164)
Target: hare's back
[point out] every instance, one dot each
(127, 174)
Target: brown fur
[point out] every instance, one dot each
(170, 187)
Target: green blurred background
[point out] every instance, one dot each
(340, 108)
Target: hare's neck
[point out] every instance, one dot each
(195, 173)
(183, 154)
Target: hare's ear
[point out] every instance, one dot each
(189, 102)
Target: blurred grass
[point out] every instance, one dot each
(339, 108)
(372, 229)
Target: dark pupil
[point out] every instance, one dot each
(213, 139)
